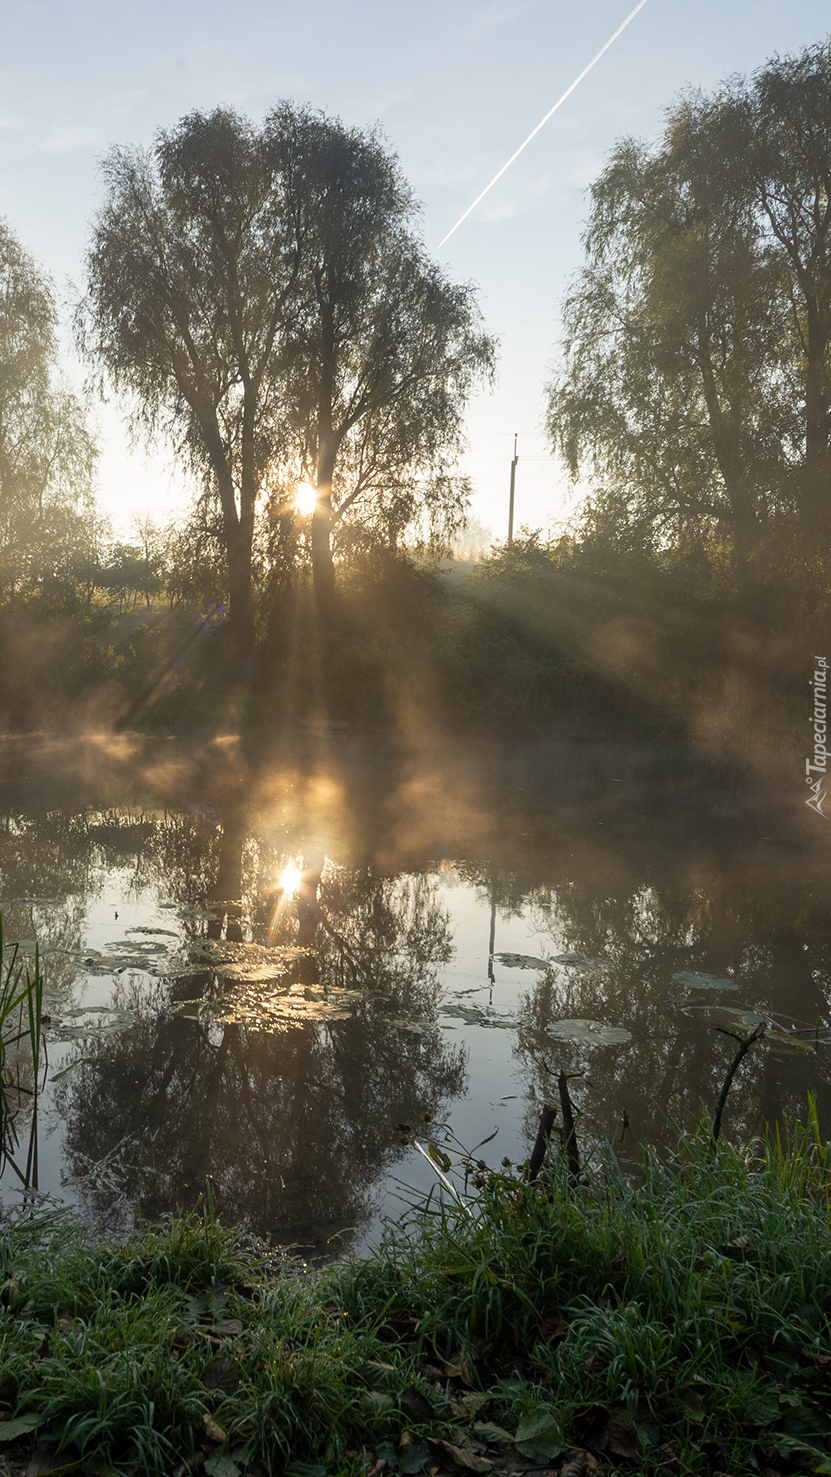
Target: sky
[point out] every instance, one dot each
(455, 88)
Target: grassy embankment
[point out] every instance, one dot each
(528, 643)
(677, 1322)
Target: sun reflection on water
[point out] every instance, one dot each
(288, 887)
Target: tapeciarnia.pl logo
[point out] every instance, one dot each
(819, 764)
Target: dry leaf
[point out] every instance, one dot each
(227, 1328)
(417, 1405)
(222, 1374)
(213, 1430)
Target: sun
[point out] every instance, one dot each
(305, 499)
(290, 879)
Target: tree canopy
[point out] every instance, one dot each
(696, 385)
(259, 294)
(47, 454)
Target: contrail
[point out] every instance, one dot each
(543, 121)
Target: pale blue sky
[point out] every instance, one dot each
(455, 87)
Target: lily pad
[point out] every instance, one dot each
(589, 1033)
(729, 1016)
(474, 1015)
(520, 961)
(170, 933)
(695, 981)
(584, 962)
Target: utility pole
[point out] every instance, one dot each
(511, 503)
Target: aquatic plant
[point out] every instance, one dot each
(21, 1015)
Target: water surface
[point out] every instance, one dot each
(260, 967)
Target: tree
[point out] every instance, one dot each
(385, 353)
(47, 455)
(696, 378)
(256, 293)
(192, 278)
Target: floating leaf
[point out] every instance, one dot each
(695, 981)
(480, 1015)
(583, 962)
(728, 1016)
(79, 1061)
(589, 1033)
(520, 961)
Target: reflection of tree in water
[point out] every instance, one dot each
(775, 944)
(295, 1126)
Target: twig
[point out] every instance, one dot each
(745, 1043)
(569, 1133)
(535, 1163)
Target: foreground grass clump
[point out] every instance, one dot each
(675, 1323)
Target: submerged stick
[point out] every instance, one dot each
(569, 1132)
(745, 1043)
(535, 1163)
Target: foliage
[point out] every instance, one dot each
(47, 454)
(257, 295)
(21, 1009)
(385, 352)
(653, 1323)
(696, 389)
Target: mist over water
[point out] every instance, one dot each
(258, 964)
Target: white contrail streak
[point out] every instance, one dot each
(543, 121)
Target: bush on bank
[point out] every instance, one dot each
(677, 1320)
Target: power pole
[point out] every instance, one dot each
(511, 503)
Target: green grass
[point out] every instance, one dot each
(674, 1320)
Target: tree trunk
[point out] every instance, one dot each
(323, 565)
(240, 606)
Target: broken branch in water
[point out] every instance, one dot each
(745, 1043)
(535, 1163)
(572, 1152)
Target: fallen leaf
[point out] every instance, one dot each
(467, 1460)
(222, 1464)
(580, 1465)
(492, 1434)
(417, 1405)
(20, 1426)
(48, 1459)
(538, 1436)
(222, 1374)
(623, 1439)
(227, 1328)
(213, 1430)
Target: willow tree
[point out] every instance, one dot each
(695, 390)
(385, 354)
(192, 288)
(258, 294)
(47, 455)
